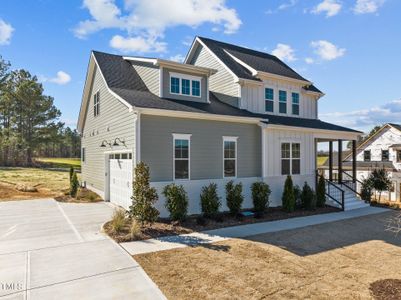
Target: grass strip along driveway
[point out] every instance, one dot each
(333, 260)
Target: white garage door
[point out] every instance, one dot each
(121, 179)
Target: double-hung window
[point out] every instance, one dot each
(175, 85)
(282, 98)
(295, 104)
(269, 100)
(182, 144)
(398, 155)
(385, 155)
(230, 156)
(186, 85)
(290, 158)
(96, 104)
(366, 155)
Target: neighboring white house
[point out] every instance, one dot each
(226, 113)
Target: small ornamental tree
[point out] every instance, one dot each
(71, 172)
(234, 197)
(308, 197)
(321, 192)
(176, 201)
(380, 181)
(144, 197)
(288, 197)
(74, 185)
(210, 200)
(260, 196)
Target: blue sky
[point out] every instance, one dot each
(350, 49)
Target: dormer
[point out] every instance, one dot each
(173, 80)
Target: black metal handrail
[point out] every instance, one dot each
(351, 183)
(335, 193)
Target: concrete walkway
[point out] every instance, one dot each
(54, 250)
(211, 236)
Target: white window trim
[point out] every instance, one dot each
(291, 158)
(180, 136)
(231, 139)
(181, 76)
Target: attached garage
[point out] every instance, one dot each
(120, 179)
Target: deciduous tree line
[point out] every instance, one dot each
(29, 121)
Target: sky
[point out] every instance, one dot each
(350, 49)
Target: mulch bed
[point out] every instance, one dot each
(392, 205)
(165, 227)
(84, 196)
(386, 289)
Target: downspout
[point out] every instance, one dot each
(263, 132)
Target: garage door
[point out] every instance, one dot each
(121, 179)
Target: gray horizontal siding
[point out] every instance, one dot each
(222, 83)
(149, 74)
(113, 121)
(166, 86)
(206, 146)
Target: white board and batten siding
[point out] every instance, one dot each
(114, 120)
(253, 99)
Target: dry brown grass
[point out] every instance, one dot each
(49, 183)
(330, 261)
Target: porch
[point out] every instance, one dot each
(342, 184)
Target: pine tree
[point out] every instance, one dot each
(321, 192)
(288, 197)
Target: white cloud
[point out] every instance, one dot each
(178, 58)
(146, 21)
(367, 6)
(309, 60)
(61, 78)
(326, 50)
(329, 7)
(367, 118)
(137, 44)
(288, 4)
(6, 31)
(284, 52)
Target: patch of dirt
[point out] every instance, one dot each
(336, 260)
(386, 289)
(9, 192)
(83, 196)
(165, 227)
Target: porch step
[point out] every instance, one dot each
(351, 201)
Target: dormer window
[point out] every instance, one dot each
(185, 85)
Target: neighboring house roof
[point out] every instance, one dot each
(257, 60)
(123, 80)
(361, 165)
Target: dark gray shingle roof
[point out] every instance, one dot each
(259, 61)
(122, 79)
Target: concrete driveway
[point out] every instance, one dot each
(55, 250)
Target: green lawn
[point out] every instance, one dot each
(59, 162)
(321, 160)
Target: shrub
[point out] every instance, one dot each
(74, 184)
(176, 201)
(210, 201)
(308, 197)
(234, 197)
(366, 190)
(380, 181)
(144, 197)
(134, 229)
(288, 197)
(117, 220)
(321, 192)
(260, 196)
(297, 196)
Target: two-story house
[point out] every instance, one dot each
(226, 113)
